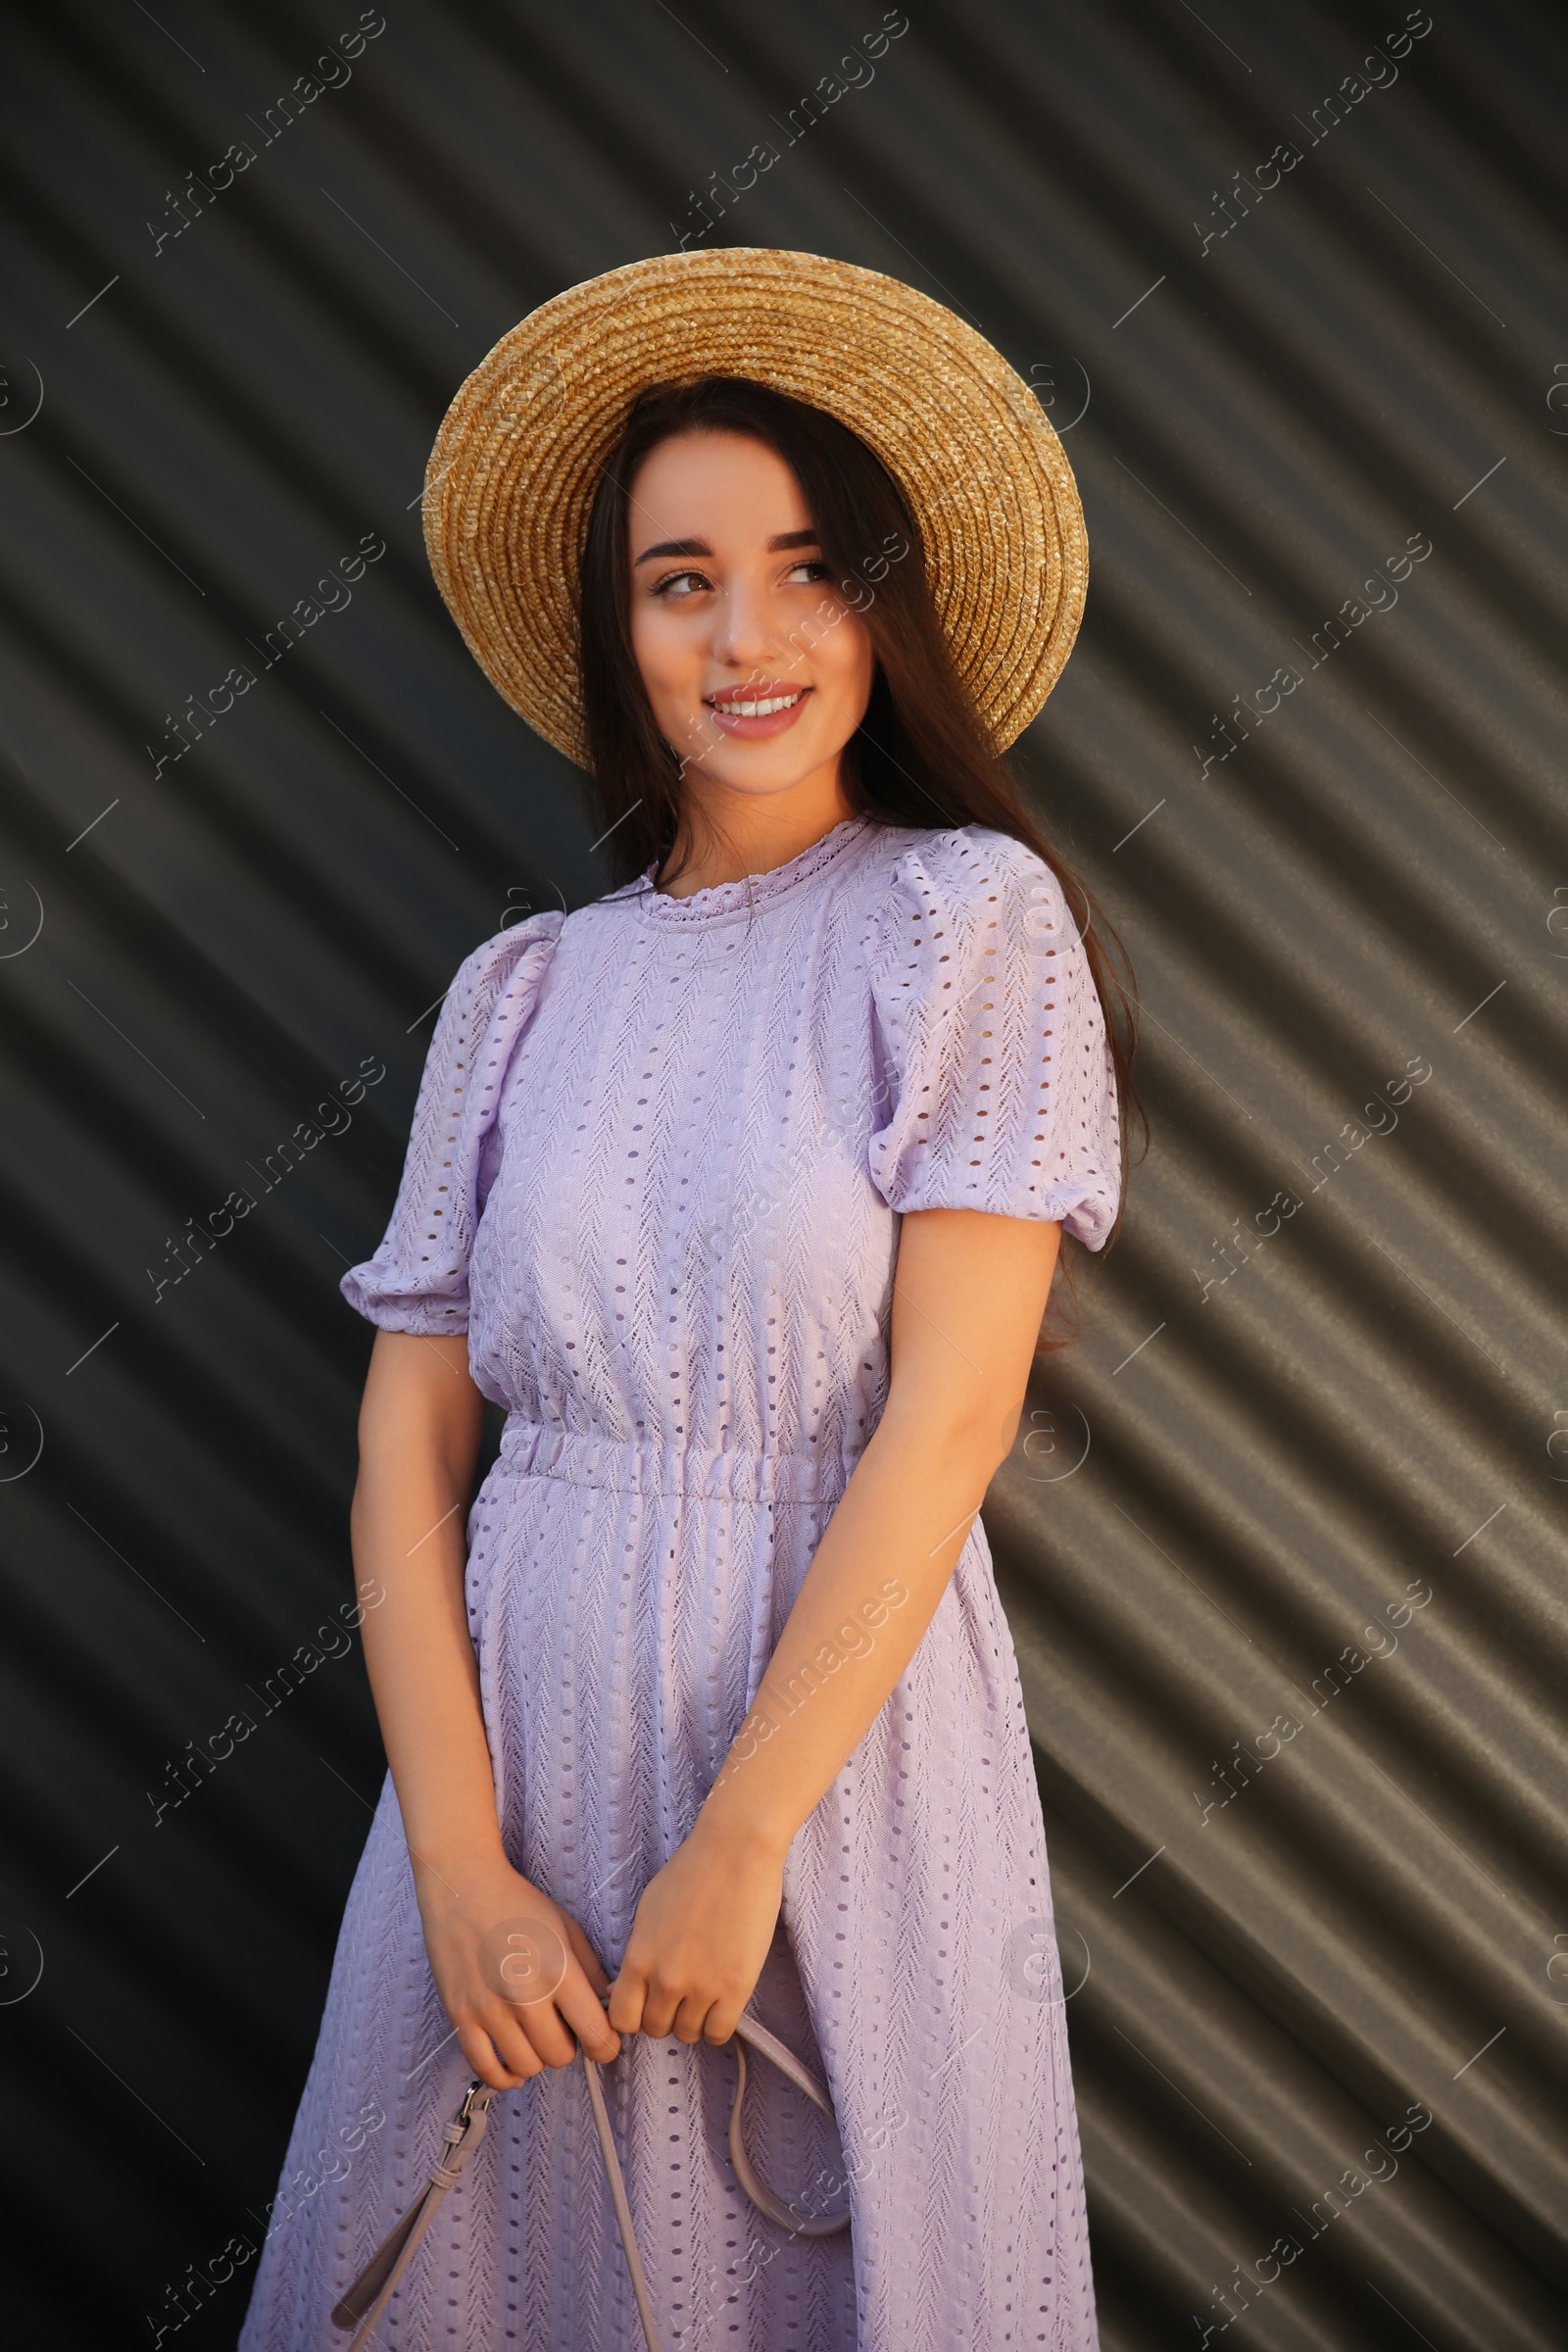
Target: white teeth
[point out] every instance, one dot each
(781, 702)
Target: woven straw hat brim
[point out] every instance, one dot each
(521, 452)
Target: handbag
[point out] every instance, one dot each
(366, 2300)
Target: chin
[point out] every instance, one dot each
(764, 787)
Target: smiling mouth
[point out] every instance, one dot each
(750, 704)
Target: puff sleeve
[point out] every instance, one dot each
(417, 1281)
(996, 1086)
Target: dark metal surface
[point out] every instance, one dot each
(1310, 1876)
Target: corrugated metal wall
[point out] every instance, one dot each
(1293, 282)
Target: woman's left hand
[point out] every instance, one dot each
(702, 1933)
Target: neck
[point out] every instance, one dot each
(725, 835)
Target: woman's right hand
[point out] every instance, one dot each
(493, 1940)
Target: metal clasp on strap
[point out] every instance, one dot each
(465, 2111)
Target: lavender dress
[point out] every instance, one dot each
(655, 1175)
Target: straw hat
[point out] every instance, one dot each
(516, 464)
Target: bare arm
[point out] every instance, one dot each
(419, 1428)
(967, 1302)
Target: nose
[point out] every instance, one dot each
(745, 634)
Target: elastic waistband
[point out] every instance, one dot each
(666, 1466)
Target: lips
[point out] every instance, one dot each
(762, 706)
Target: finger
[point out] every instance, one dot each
(515, 2046)
(691, 2017)
(480, 2052)
(579, 2005)
(545, 2033)
(503, 2022)
(722, 2018)
(628, 2003)
(659, 2012)
(593, 1968)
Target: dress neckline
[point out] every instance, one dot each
(756, 890)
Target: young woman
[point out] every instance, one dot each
(741, 1188)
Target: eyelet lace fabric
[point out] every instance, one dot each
(656, 1169)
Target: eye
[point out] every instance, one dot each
(807, 572)
(681, 584)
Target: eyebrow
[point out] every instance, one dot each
(700, 547)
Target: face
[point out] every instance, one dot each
(756, 674)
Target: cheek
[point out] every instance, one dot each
(668, 663)
(845, 658)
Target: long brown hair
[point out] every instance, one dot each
(920, 756)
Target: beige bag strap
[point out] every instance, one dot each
(366, 2300)
(372, 2289)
